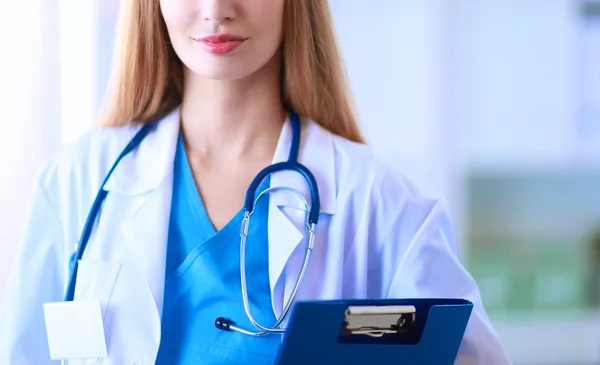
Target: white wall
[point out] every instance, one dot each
(77, 46)
(29, 130)
(49, 95)
(513, 80)
(398, 62)
(391, 49)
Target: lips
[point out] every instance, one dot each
(221, 38)
(221, 44)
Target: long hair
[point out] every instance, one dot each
(146, 81)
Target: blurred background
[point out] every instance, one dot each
(493, 104)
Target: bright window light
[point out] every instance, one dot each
(77, 64)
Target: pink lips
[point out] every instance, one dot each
(220, 44)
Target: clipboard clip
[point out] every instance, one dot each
(376, 321)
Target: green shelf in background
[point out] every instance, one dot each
(529, 275)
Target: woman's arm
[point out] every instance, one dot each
(38, 276)
(430, 268)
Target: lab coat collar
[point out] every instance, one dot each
(143, 169)
(146, 167)
(316, 153)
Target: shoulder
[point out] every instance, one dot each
(85, 161)
(96, 148)
(365, 169)
(386, 195)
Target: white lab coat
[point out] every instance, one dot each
(377, 237)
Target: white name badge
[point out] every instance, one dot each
(75, 330)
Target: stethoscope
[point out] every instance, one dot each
(292, 163)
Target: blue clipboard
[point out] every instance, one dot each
(322, 332)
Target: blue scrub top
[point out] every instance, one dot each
(203, 282)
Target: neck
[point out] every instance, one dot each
(232, 118)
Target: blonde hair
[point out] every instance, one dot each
(147, 76)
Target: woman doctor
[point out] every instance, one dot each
(221, 81)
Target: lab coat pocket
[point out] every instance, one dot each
(96, 280)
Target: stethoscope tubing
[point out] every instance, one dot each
(291, 164)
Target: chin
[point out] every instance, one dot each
(221, 70)
(221, 74)
(230, 67)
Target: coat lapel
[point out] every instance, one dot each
(287, 216)
(146, 232)
(145, 178)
